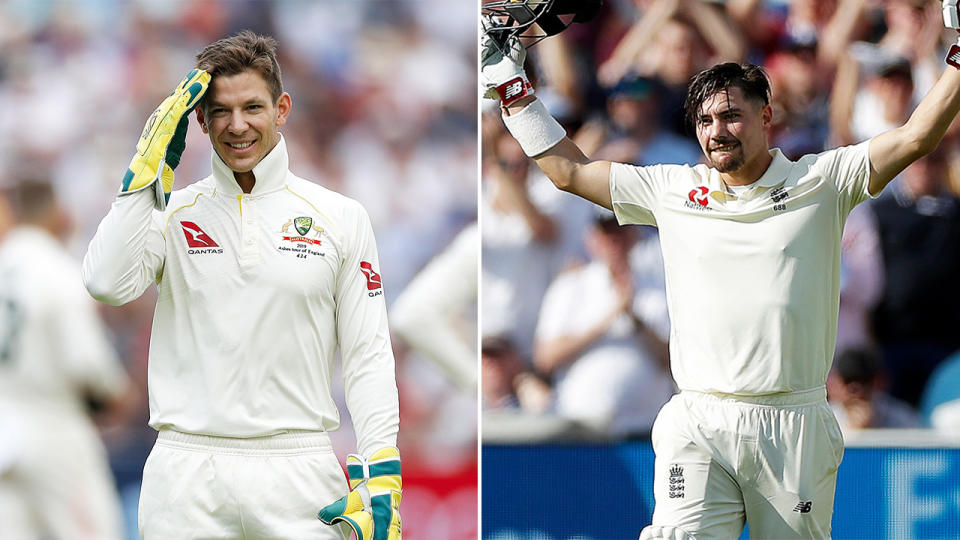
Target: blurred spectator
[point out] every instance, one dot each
(626, 133)
(856, 389)
(507, 382)
(519, 234)
(56, 367)
(799, 100)
(672, 41)
(916, 321)
(890, 74)
(603, 330)
(861, 279)
(883, 101)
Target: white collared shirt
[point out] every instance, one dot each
(753, 281)
(256, 293)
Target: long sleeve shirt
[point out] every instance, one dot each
(256, 293)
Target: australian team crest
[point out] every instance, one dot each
(302, 224)
(307, 232)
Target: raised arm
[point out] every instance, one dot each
(126, 254)
(892, 151)
(563, 162)
(538, 133)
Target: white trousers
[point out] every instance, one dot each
(55, 481)
(199, 487)
(769, 460)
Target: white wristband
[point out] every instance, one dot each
(534, 128)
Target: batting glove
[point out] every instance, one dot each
(501, 70)
(951, 19)
(372, 508)
(164, 139)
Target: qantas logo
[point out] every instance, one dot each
(196, 238)
(373, 279)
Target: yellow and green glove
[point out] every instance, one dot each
(163, 140)
(372, 508)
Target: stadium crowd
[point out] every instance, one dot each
(374, 121)
(574, 317)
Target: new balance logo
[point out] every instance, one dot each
(373, 278)
(953, 56)
(513, 89)
(195, 235)
(677, 482)
(803, 507)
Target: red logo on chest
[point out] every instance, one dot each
(195, 236)
(702, 200)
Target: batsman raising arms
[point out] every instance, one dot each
(751, 250)
(261, 276)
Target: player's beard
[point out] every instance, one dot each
(732, 161)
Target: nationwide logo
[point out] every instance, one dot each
(677, 482)
(199, 241)
(304, 226)
(373, 279)
(702, 199)
(698, 198)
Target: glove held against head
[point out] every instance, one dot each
(164, 139)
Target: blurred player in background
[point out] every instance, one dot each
(262, 276)
(428, 321)
(56, 365)
(751, 245)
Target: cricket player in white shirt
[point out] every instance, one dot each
(262, 276)
(55, 359)
(751, 249)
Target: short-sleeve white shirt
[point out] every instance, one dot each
(753, 281)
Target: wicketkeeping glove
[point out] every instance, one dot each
(501, 70)
(372, 508)
(951, 19)
(163, 140)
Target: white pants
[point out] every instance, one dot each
(200, 487)
(55, 481)
(769, 460)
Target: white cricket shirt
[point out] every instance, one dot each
(256, 293)
(753, 282)
(54, 350)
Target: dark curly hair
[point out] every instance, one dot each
(748, 77)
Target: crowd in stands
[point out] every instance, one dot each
(559, 304)
(384, 111)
